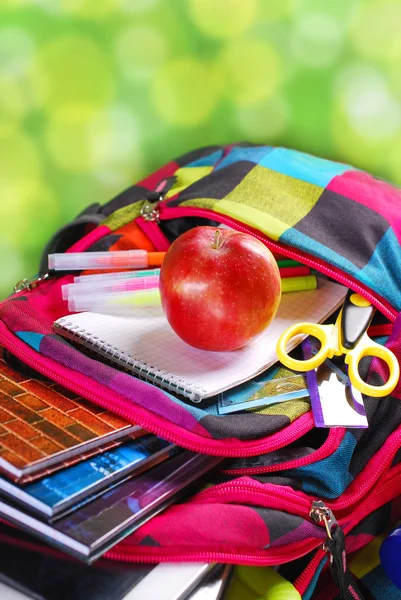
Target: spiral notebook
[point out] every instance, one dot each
(145, 344)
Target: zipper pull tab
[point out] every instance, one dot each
(149, 210)
(29, 284)
(322, 513)
(335, 547)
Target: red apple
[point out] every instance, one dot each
(219, 288)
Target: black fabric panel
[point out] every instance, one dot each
(347, 227)
(172, 228)
(196, 154)
(375, 523)
(217, 184)
(135, 193)
(292, 570)
(68, 235)
(397, 458)
(244, 427)
(148, 541)
(18, 365)
(278, 479)
(277, 526)
(105, 243)
(271, 458)
(384, 416)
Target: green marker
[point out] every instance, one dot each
(288, 262)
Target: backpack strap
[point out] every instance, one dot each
(338, 566)
(68, 234)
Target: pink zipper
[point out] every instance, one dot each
(283, 500)
(166, 213)
(276, 556)
(154, 233)
(267, 495)
(270, 497)
(110, 400)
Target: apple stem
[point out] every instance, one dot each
(217, 240)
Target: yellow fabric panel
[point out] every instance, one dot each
(286, 200)
(123, 215)
(367, 558)
(253, 217)
(208, 203)
(186, 177)
(291, 408)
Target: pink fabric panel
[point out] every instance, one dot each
(380, 196)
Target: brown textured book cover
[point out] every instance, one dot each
(44, 426)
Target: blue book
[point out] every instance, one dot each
(65, 490)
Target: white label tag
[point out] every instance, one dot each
(335, 402)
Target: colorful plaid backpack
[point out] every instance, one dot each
(288, 492)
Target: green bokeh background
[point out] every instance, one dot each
(95, 94)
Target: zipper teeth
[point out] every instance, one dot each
(297, 504)
(389, 455)
(154, 233)
(392, 484)
(169, 213)
(304, 579)
(297, 430)
(279, 557)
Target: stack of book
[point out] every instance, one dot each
(76, 475)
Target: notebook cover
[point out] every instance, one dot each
(54, 495)
(144, 344)
(43, 424)
(92, 530)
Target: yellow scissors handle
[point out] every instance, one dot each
(367, 347)
(323, 333)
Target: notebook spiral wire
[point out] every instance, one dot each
(141, 369)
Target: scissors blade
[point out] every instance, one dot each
(357, 314)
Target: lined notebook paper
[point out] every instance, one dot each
(145, 344)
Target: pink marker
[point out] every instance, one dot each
(124, 285)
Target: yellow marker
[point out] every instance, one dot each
(299, 284)
(264, 582)
(112, 302)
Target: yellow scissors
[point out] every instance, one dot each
(347, 336)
